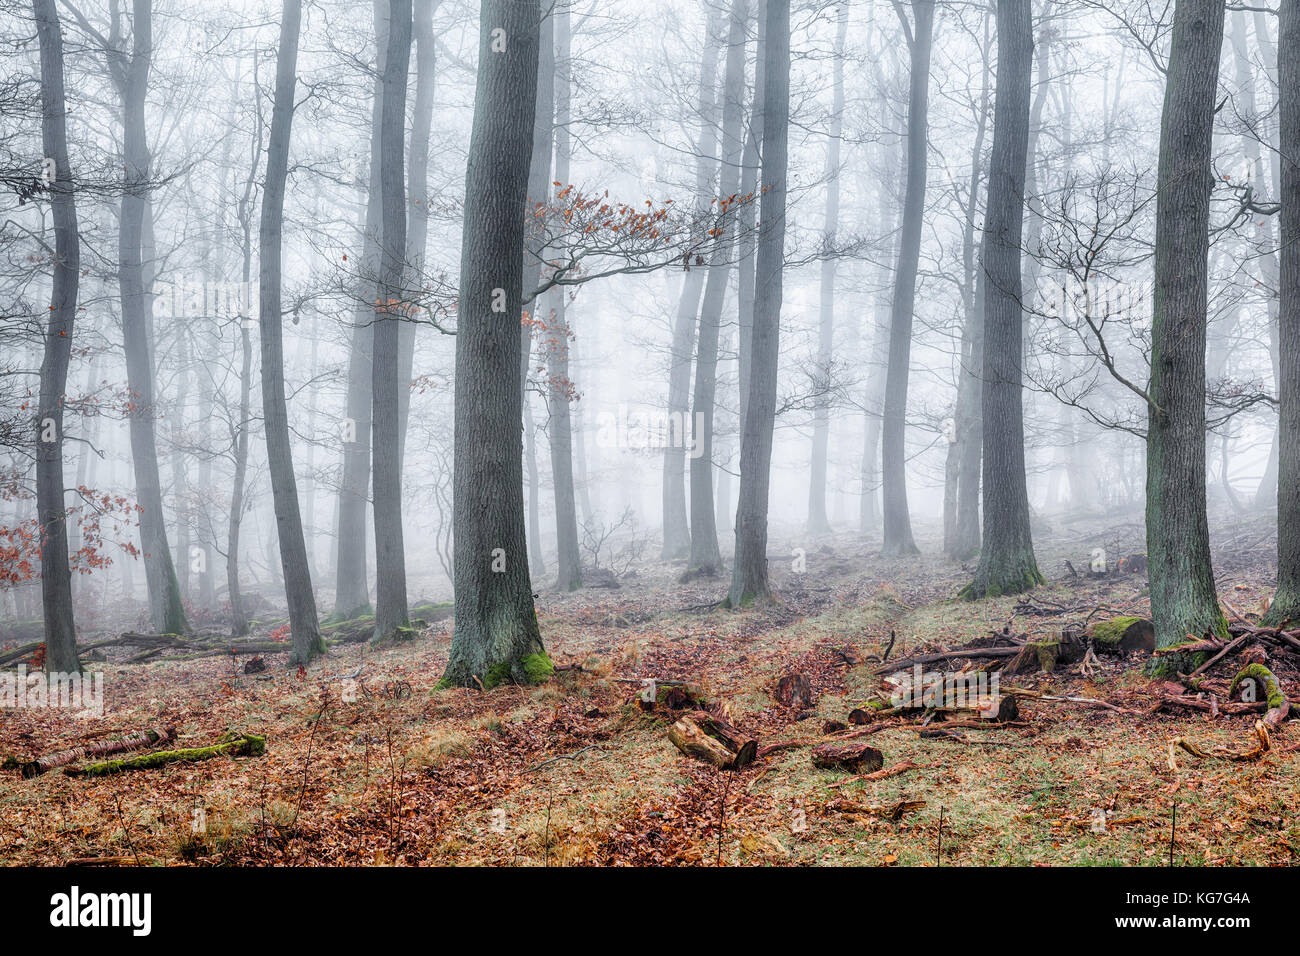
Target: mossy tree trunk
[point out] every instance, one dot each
(1183, 599)
(1007, 564)
(1286, 602)
(496, 624)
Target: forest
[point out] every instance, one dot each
(536, 433)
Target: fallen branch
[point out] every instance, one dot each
(901, 768)
(245, 745)
(62, 758)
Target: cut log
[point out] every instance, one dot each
(795, 692)
(999, 708)
(745, 746)
(687, 736)
(245, 745)
(143, 738)
(1121, 635)
(854, 757)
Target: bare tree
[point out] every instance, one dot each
(749, 581)
(897, 522)
(56, 575)
(307, 642)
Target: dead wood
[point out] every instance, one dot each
(855, 757)
(62, 758)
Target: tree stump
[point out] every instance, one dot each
(795, 692)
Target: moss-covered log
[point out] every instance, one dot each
(1120, 635)
(244, 745)
(62, 758)
(1255, 681)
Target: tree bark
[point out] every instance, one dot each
(496, 634)
(1286, 602)
(749, 581)
(389, 315)
(677, 534)
(1007, 564)
(56, 574)
(351, 584)
(307, 642)
(1183, 599)
(705, 553)
(165, 608)
(417, 200)
(893, 439)
(568, 557)
(967, 451)
(818, 523)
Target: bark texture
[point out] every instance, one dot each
(56, 575)
(1183, 599)
(1007, 564)
(496, 635)
(1286, 602)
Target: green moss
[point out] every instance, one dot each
(1169, 665)
(244, 745)
(356, 613)
(1112, 631)
(529, 669)
(997, 586)
(1264, 677)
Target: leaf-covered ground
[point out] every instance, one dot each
(388, 770)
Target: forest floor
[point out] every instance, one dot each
(575, 772)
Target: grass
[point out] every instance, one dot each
(572, 772)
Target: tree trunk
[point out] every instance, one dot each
(536, 561)
(539, 189)
(677, 534)
(897, 522)
(389, 315)
(351, 584)
(165, 608)
(417, 201)
(966, 452)
(496, 636)
(307, 642)
(705, 552)
(1007, 564)
(818, 523)
(748, 218)
(56, 574)
(1286, 602)
(1183, 599)
(749, 582)
(568, 558)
